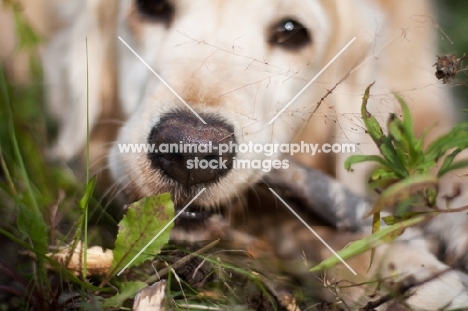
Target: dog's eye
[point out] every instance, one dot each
(158, 10)
(289, 34)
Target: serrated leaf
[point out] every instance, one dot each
(360, 246)
(143, 221)
(127, 290)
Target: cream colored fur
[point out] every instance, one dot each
(214, 55)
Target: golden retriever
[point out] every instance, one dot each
(212, 72)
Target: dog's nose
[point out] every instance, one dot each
(188, 151)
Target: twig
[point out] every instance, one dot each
(181, 262)
(453, 210)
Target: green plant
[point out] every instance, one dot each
(405, 165)
(403, 176)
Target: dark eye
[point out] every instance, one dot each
(289, 34)
(158, 10)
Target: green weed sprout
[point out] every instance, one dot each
(403, 176)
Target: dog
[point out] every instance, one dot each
(220, 72)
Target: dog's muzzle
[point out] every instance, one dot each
(188, 151)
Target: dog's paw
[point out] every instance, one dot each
(444, 290)
(451, 234)
(430, 284)
(450, 230)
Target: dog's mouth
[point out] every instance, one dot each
(194, 214)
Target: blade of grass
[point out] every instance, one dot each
(85, 239)
(6, 172)
(385, 235)
(40, 240)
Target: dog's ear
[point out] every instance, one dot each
(76, 68)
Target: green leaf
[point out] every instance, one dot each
(396, 131)
(394, 219)
(34, 227)
(420, 142)
(407, 121)
(424, 167)
(431, 196)
(381, 178)
(357, 158)
(143, 221)
(447, 164)
(456, 138)
(388, 151)
(399, 142)
(128, 290)
(381, 173)
(382, 236)
(371, 123)
(454, 166)
(402, 190)
(88, 193)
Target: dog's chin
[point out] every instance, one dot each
(195, 218)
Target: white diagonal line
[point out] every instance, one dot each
(313, 231)
(162, 80)
(160, 232)
(312, 81)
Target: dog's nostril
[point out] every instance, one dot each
(188, 150)
(210, 158)
(165, 160)
(171, 157)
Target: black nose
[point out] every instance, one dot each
(188, 150)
